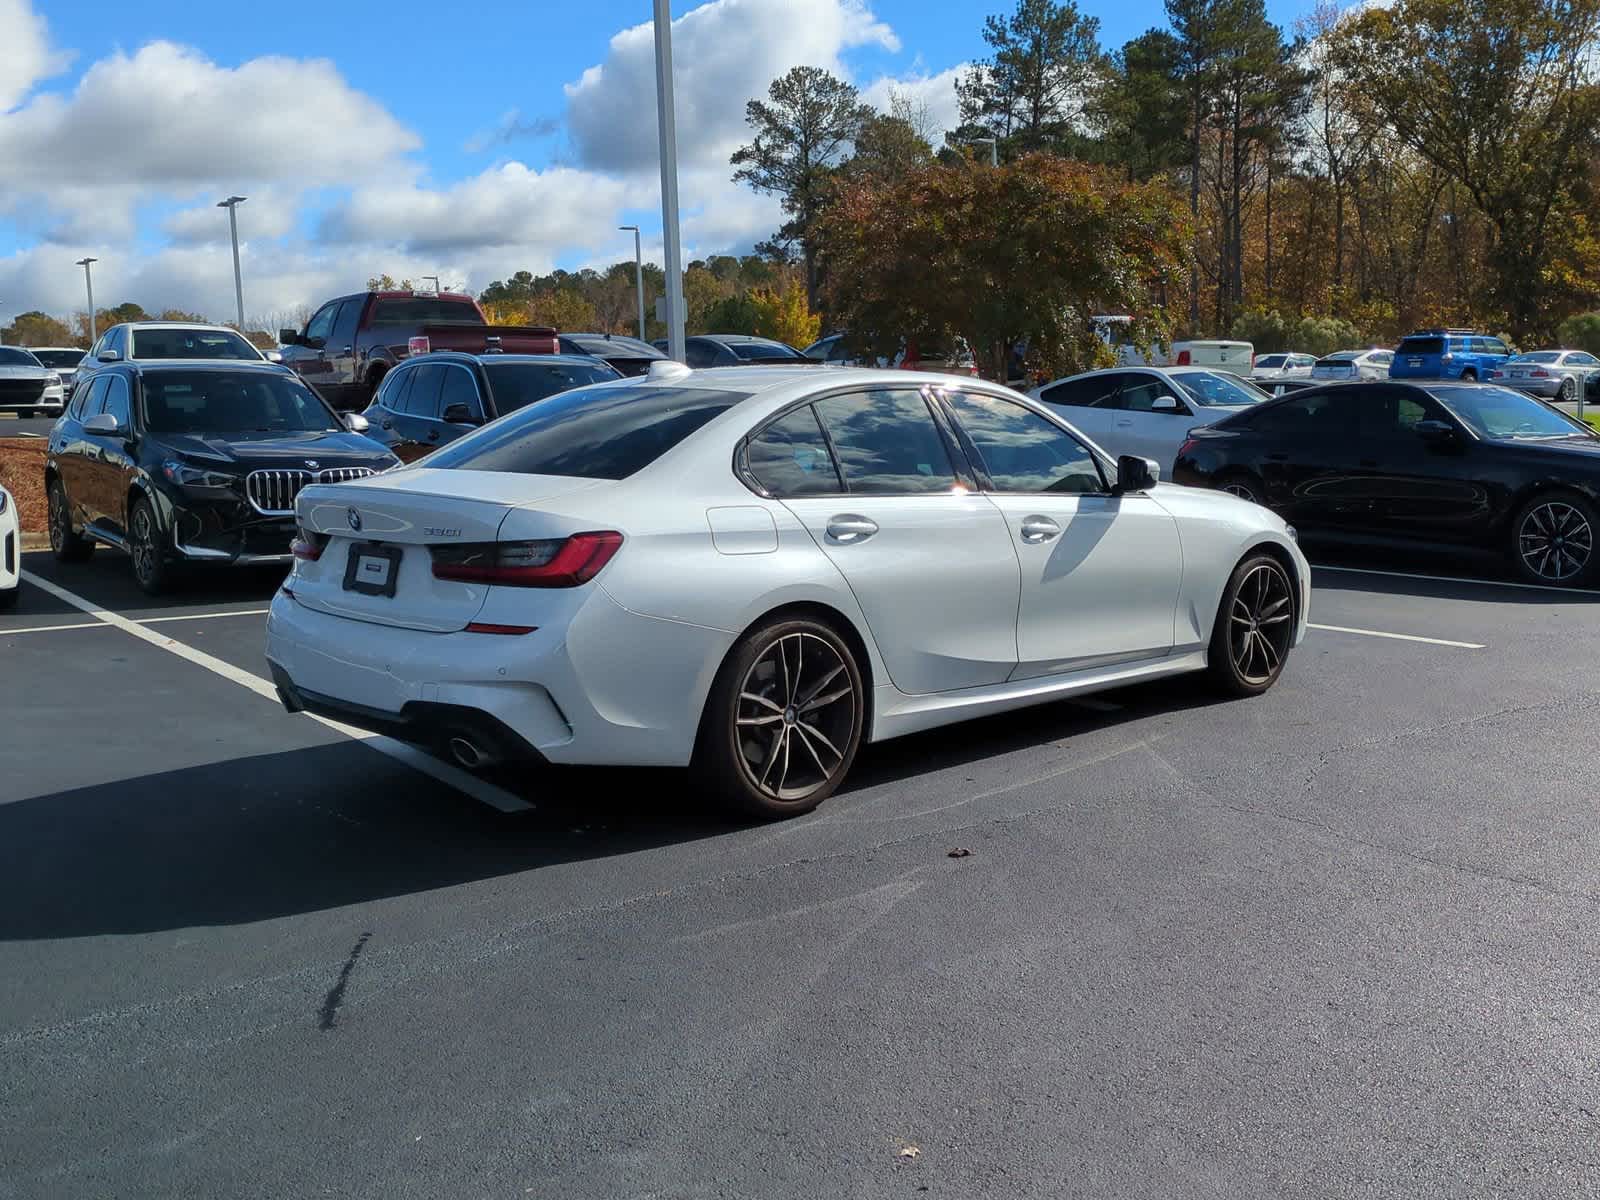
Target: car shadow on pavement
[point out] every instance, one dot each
(1470, 586)
(274, 835)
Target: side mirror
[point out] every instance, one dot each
(1167, 404)
(460, 414)
(104, 425)
(356, 423)
(1135, 474)
(1435, 431)
(288, 337)
(110, 356)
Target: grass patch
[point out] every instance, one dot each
(22, 474)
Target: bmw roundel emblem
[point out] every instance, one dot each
(312, 464)
(355, 520)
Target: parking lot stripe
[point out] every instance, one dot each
(238, 612)
(53, 628)
(1399, 637)
(1501, 583)
(410, 756)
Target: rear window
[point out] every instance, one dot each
(427, 311)
(758, 350)
(1343, 356)
(192, 343)
(1421, 345)
(592, 433)
(1271, 361)
(1539, 356)
(517, 385)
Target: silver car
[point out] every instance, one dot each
(1354, 364)
(1553, 374)
(28, 387)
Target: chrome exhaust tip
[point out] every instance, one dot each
(467, 754)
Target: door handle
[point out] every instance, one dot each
(848, 528)
(1039, 529)
(1124, 422)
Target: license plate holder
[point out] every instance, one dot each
(372, 570)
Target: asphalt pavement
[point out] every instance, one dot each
(12, 425)
(1335, 941)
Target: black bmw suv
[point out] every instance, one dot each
(180, 462)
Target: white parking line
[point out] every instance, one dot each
(479, 789)
(1501, 583)
(1399, 637)
(210, 616)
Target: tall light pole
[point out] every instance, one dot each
(638, 273)
(232, 205)
(88, 284)
(667, 119)
(994, 148)
(435, 279)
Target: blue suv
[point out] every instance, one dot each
(1447, 354)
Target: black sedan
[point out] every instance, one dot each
(185, 462)
(737, 350)
(625, 354)
(1445, 465)
(430, 400)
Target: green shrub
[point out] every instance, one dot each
(1265, 329)
(1581, 331)
(1324, 335)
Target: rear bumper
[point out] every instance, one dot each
(612, 688)
(1534, 387)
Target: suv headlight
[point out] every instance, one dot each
(182, 474)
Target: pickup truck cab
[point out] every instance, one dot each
(352, 342)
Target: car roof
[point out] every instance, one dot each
(740, 339)
(63, 349)
(571, 360)
(206, 325)
(620, 340)
(199, 364)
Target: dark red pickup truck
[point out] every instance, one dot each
(349, 343)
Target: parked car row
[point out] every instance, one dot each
(28, 387)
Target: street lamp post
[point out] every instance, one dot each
(88, 284)
(232, 205)
(994, 148)
(435, 279)
(638, 274)
(668, 124)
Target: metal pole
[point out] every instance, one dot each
(231, 204)
(88, 284)
(435, 279)
(638, 274)
(994, 152)
(667, 118)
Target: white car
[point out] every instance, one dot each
(1353, 364)
(754, 570)
(28, 387)
(1553, 374)
(10, 550)
(63, 360)
(1282, 366)
(1147, 411)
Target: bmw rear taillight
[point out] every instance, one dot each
(547, 563)
(1188, 445)
(1537, 373)
(308, 546)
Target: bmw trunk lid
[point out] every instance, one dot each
(376, 539)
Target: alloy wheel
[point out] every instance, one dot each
(60, 522)
(142, 545)
(1569, 390)
(795, 716)
(1555, 541)
(1261, 623)
(1241, 490)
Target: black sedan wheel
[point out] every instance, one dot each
(784, 719)
(1554, 539)
(145, 546)
(66, 545)
(1254, 629)
(1241, 486)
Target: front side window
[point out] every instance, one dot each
(790, 457)
(240, 401)
(517, 385)
(1393, 413)
(391, 394)
(1140, 393)
(94, 397)
(460, 388)
(117, 401)
(600, 432)
(1022, 451)
(115, 337)
(321, 325)
(422, 397)
(887, 443)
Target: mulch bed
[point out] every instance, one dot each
(22, 474)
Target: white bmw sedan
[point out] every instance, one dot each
(10, 550)
(752, 571)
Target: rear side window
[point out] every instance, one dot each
(887, 443)
(791, 458)
(422, 398)
(601, 432)
(1314, 414)
(92, 398)
(392, 394)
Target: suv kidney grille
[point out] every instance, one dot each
(272, 493)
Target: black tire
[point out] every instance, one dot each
(1254, 630)
(1470, 375)
(65, 544)
(8, 597)
(147, 549)
(1553, 540)
(1242, 484)
(798, 679)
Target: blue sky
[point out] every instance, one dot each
(369, 136)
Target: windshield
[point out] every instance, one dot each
(411, 311)
(757, 350)
(603, 432)
(517, 385)
(1501, 413)
(192, 343)
(10, 357)
(1209, 388)
(59, 358)
(189, 401)
(1539, 356)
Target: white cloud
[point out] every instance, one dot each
(724, 53)
(935, 94)
(26, 56)
(268, 213)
